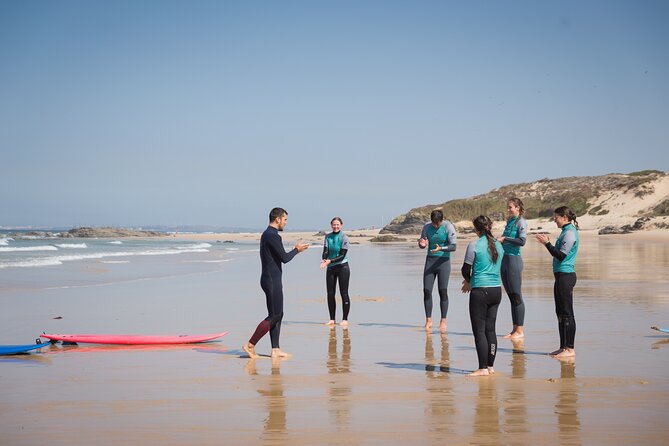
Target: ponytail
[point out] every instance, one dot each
(564, 211)
(483, 225)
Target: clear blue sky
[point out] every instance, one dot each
(212, 112)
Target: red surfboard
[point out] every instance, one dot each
(132, 339)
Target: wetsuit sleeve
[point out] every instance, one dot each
(344, 242)
(451, 241)
(566, 243)
(325, 248)
(342, 254)
(470, 256)
(274, 243)
(522, 234)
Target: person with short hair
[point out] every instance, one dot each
(272, 255)
(440, 238)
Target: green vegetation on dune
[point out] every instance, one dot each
(540, 198)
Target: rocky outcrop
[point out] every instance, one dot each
(88, 232)
(387, 239)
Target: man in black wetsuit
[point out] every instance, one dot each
(272, 255)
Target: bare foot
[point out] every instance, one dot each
(250, 350)
(344, 323)
(556, 352)
(277, 353)
(566, 353)
(491, 371)
(442, 326)
(330, 322)
(428, 324)
(517, 335)
(479, 372)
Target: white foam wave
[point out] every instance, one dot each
(115, 261)
(59, 259)
(72, 245)
(5, 241)
(232, 249)
(29, 248)
(195, 246)
(116, 242)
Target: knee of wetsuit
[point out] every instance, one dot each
(427, 294)
(273, 320)
(516, 299)
(443, 294)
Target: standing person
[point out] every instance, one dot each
(481, 271)
(272, 255)
(440, 239)
(515, 234)
(335, 248)
(564, 257)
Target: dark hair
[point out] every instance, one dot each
(518, 203)
(276, 213)
(338, 219)
(437, 216)
(483, 225)
(564, 211)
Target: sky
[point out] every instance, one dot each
(140, 112)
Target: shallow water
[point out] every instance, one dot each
(382, 380)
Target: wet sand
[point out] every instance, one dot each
(384, 380)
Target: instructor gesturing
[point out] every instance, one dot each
(272, 255)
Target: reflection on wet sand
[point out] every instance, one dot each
(339, 393)
(486, 416)
(439, 407)
(274, 428)
(566, 406)
(515, 402)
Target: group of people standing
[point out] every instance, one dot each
(489, 264)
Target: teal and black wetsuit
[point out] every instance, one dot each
(437, 264)
(484, 279)
(515, 234)
(335, 248)
(564, 258)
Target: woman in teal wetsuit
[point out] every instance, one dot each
(440, 238)
(564, 257)
(335, 249)
(481, 271)
(515, 234)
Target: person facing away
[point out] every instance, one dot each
(272, 256)
(440, 238)
(335, 250)
(481, 273)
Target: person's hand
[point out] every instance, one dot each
(542, 238)
(422, 243)
(301, 246)
(501, 239)
(436, 249)
(466, 288)
(325, 263)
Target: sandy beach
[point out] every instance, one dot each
(382, 381)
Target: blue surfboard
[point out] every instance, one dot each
(18, 349)
(663, 330)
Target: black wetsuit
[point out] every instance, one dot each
(272, 255)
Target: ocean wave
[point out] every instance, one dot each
(195, 246)
(115, 261)
(116, 242)
(29, 248)
(5, 241)
(59, 259)
(72, 245)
